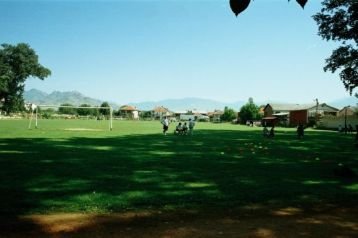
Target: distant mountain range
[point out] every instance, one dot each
(57, 98)
(188, 104)
(76, 98)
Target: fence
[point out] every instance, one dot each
(328, 122)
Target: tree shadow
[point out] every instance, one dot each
(212, 169)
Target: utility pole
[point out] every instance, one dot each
(345, 119)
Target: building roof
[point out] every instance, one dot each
(350, 108)
(128, 108)
(197, 111)
(290, 107)
(269, 118)
(216, 112)
(326, 107)
(297, 107)
(161, 109)
(180, 112)
(280, 114)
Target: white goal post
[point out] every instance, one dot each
(34, 112)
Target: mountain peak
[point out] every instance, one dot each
(57, 98)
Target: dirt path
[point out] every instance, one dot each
(244, 222)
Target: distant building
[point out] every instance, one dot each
(197, 115)
(349, 111)
(294, 114)
(160, 112)
(129, 112)
(215, 116)
(323, 109)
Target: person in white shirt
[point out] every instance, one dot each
(165, 123)
(179, 129)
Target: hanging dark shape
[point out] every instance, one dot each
(238, 6)
(302, 3)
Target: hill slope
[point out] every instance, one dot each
(58, 98)
(188, 104)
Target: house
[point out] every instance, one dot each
(322, 109)
(283, 109)
(294, 114)
(160, 112)
(178, 114)
(129, 112)
(347, 111)
(215, 116)
(297, 117)
(280, 113)
(194, 114)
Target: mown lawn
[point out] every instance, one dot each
(59, 168)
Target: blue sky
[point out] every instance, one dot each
(144, 50)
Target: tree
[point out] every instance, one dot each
(67, 109)
(229, 114)
(104, 111)
(83, 111)
(17, 63)
(337, 21)
(249, 111)
(46, 113)
(238, 6)
(146, 114)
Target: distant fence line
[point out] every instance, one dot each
(334, 122)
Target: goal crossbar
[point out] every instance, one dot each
(56, 106)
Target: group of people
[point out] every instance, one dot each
(269, 133)
(348, 129)
(180, 129)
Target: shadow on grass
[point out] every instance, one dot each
(220, 169)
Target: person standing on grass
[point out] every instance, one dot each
(300, 131)
(350, 129)
(272, 131)
(265, 132)
(185, 128)
(165, 123)
(191, 126)
(179, 129)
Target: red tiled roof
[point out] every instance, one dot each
(160, 109)
(128, 108)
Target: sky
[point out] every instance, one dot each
(148, 50)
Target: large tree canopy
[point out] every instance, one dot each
(104, 111)
(249, 111)
(338, 21)
(17, 63)
(229, 114)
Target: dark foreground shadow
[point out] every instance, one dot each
(210, 171)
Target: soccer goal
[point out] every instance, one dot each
(34, 116)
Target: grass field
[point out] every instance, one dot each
(60, 168)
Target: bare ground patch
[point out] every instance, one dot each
(243, 222)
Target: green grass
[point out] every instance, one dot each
(51, 169)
